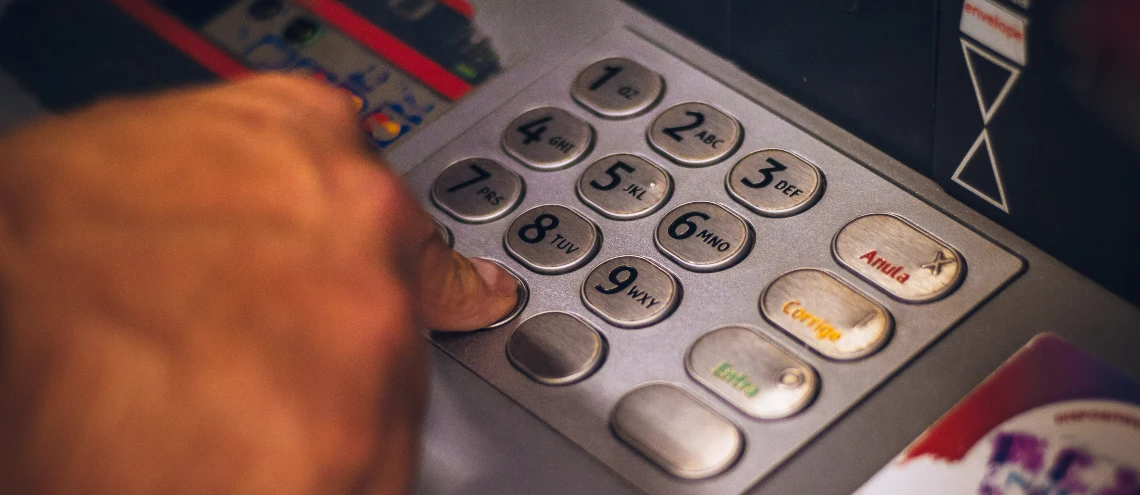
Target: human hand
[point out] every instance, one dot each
(218, 290)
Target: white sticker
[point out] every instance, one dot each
(997, 28)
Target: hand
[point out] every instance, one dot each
(218, 290)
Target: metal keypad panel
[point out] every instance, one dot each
(617, 88)
(687, 321)
(477, 190)
(552, 239)
(548, 138)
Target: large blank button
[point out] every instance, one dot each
(826, 314)
(552, 239)
(752, 373)
(631, 292)
(775, 183)
(681, 435)
(695, 134)
(548, 138)
(617, 87)
(556, 348)
(477, 190)
(624, 187)
(703, 237)
(907, 263)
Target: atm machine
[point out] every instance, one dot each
(762, 245)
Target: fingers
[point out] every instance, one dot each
(458, 293)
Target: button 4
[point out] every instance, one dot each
(477, 190)
(624, 187)
(695, 134)
(703, 237)
(631, 292)
(548, 138)
(552, 239)
(775, 183)
(617, 88)
(900, 259)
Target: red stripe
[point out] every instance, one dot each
(391, 48)
(462, 6)
(183, 38)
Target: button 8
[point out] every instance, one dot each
(477, 190)
(552, 239)
(617, 88)
(624, 187)
(695, 134)
(548, 138)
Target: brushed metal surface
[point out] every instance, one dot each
(552, 239)
(750, 372)
(694, 134)
(477, 190)
(898, 258)
(617, 88)
(680, 434)
(631, 292)
(547, 138)
(640, 187)
(556, 348)
(828, 315)
(703, 237)
(775, 183)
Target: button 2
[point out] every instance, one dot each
(617, 88)
(695, 134)
(552, 239)
(555, 348)
(624, 187)
(631, 292)
(907, 263)
(676, 431)
(548, 138)
(826, 314)
(477, 190)
(752, 373)
(775, 183)
(703, 237)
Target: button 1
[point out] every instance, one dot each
(673, 429)
(548, 138)
(552, 239)
(624, 187)
(827, 314)
(900, 259)
(695, 134)
(703, 237)
(523, 298)
(556, 348)
(445, 234)
(775, 183)
(752, 373)
(477, 190)
(617, 87)
(631, 292)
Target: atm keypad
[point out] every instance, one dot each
(548, 138)
(695, 134)
(703, 237)
(552, 239)
(624, 186)
(477, 190)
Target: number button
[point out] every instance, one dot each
(548, 138)
(624, 187)
(695, 134)
(552, 239)
(631, 292)
(617, 88)
(477, 190)
(703, 237)
(775, 183)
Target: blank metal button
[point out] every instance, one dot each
(826, 314)
(683, 436)
(775, 183)
(703, 237)
(556, 348)
(695, 134)
(552, 239)
(752, 373)
(631, 292)
(904, 261)
(624, 187)
(617, 87)
(548, 138)
(477, 190)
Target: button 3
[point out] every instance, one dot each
(631, 292)
(826, 314)
(477, 190)
(617, 88)
(624, 187)
(677, 432)
(775, 183)
(695, 134)
(703, 237)
(556, 348)
(548, 138)
(900, 259)
(751, 373)
(552, 239)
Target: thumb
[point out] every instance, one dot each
(457, 293)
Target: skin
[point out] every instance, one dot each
(218, 290)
